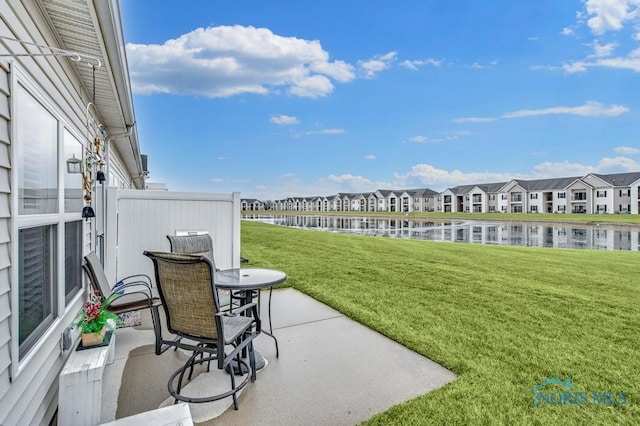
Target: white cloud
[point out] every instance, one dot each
(418, 139)
(550, 169)
(370, 157)
(446, 137)
(602, 50)
(626, 150)
(533, 38)
(589, 109)
(610, 15)
(416, 64)
(474, 120)
(230, 181)
(426, 174)
(313, 86)
(283, 119)
(631, 62)
(536, 153)
(377, 64)
(567, 31)
(350, 180)
(230, 60)
(326, 132)
(618, 164)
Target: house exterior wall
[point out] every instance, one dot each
(5, 237)
(28, 384)
(536, 202)
(29, 378)
(621, 200)
(635, 197)
(579, 198)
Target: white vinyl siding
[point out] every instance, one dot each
(5, 239)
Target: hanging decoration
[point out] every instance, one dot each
(94, 153)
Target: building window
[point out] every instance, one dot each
(37, 155)
(562, 195)
(601, 208)
(580, 196)
(36, 292)
(504, 196)
(533, 196)
(72, 259)
(601, 194)
(47, 225)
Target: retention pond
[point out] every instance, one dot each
(555, 235)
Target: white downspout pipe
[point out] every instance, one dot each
(103, 189)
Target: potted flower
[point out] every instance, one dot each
(93, 319)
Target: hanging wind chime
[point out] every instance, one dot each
(93, 157)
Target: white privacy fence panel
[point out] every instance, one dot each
(141, 220)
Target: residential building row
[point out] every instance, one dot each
(592, 193)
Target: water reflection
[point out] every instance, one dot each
(556, 235)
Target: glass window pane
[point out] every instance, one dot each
(36, 296)
(72, 181)
(37, 156)
(72, 259)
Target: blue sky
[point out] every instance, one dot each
(299, 98)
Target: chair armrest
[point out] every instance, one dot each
(132, 288)
(121, 293)
(243, 308)
(122, 285)
(140, 278)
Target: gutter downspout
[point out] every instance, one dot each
(103, 189)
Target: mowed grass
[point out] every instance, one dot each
(504, 319)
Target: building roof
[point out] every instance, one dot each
(93, 28)
(619, 179)
(547, 184)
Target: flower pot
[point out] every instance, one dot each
(93, 339)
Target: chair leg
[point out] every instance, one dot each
(252, 362)
(233, 384)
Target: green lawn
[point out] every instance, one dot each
(503, 318)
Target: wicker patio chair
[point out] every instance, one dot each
(190, 302)
(202, 244)
(131, 293)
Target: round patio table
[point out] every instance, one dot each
(245, 282)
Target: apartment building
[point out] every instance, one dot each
(617, 193)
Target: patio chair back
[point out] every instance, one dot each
(186, 289)
(193, 244)
(97, 277)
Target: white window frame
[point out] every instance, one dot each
(58, 220)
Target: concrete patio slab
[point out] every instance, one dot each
(331, 371)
